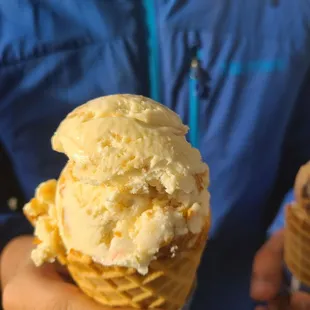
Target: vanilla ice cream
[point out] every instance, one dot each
(132, 185)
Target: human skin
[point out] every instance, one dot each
(267, 278)
(28, 287)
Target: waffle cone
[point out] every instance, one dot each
(297, 244)
(167, 285)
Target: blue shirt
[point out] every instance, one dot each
(236, 71)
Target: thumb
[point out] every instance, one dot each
(267, 269)
(44, 288)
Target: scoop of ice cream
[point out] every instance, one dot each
(130, 140)
(132, 185)
(41, 212)
(117, 227)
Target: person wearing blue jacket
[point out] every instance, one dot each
(237, 72)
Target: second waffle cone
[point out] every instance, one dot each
(297, 244)
(297, 230)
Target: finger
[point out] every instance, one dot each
(12, 257)
(300, 301)
(267, 269)
(11, 261)
(43, 288)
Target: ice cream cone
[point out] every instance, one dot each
(129, 215)
(297, 245)
(167, 285)
(297, 230)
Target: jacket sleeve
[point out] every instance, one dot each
(296, 151)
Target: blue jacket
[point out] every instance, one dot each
(236, 71)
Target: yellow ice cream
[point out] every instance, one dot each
(132, 184)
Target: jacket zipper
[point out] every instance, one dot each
(154, 72)
(153, 49)
(194, 100)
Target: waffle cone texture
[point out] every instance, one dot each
(297, 245)
(167, 285)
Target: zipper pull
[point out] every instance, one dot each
(195, 65)
(194, 102)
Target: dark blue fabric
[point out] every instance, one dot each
(12, 225)
(254, 116)
(279, 220)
